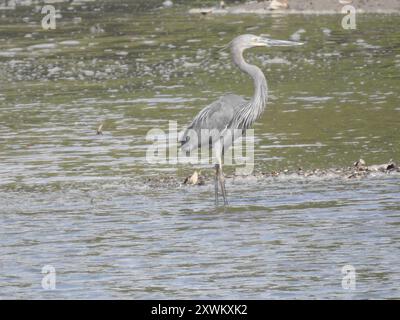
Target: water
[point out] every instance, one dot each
(83, 202)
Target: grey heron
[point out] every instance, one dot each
(230, 112)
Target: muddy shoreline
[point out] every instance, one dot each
(302, 7)
(358, 170)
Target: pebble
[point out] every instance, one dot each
(168, 4)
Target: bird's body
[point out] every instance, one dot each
(216, 125)
(216, 117)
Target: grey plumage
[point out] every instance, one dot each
(216, 117)
(231, 112)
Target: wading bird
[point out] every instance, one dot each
(230, 112)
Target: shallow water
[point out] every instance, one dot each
(81, 202)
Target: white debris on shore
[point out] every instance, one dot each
(302, 6)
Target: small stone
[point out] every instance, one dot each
(360, 163)
(391, 166)
(278, 5)
(96, 29)
(168, 4)
(88, 73)
(194, 179)
(99, 129)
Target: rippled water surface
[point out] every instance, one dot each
(83, 203)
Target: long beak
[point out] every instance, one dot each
(281, 43)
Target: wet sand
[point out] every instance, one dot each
(305, 7)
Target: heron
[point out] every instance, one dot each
(230, 112)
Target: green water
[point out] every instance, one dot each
(80, 201)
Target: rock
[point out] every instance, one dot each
(88, 73)
(53, 71)
(96, 29)
(99, 129)
(391, 165)
(278, 5)
(70, 43)
(359, 163)
(168, 4)
(194, 179)
(378, 167)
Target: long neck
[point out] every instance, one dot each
(259, 99)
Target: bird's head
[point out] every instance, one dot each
(247, 41)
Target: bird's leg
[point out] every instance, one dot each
(221, 179)
(216, 183)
